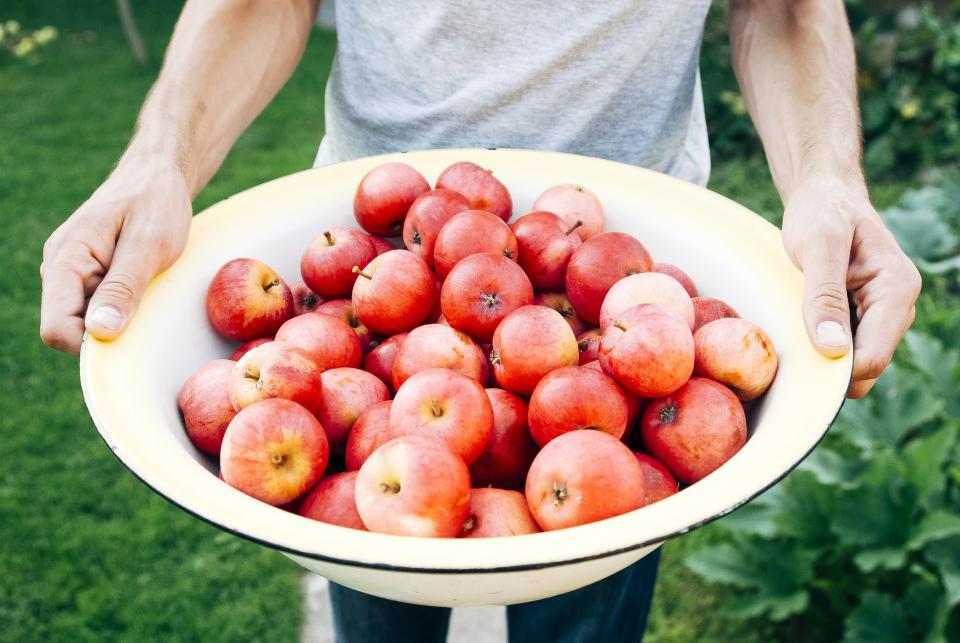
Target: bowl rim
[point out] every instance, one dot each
(86, 368)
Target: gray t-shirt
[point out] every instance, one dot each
(616, 79)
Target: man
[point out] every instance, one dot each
(615, 79)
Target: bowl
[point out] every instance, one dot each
(130, 385)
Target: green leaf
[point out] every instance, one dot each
(776, 608)
(879, 618)
(875, 514)
(927, 606)
(806, 509)
(936, 525)
(755, 518)
(945, 556)
(939, 364)
(924, 461)
(921, 233)
(870, 560)
(832, 468)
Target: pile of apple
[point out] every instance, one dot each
(487, 380)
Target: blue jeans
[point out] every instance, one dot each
(613, 610)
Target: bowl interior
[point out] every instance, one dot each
(131, 384)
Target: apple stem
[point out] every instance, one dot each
(469, 524)
(272, 284)
(494, 357)
(574, 226)
(578, 188)
(328, 237)
(617, 324)
(390, 488)
(357, 271)
(508, 253)
(583, 345)
(435, 408)
(559, 493)
(278, 459)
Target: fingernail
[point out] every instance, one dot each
(106, 317)
(830, 333)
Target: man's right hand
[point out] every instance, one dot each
(97, 264)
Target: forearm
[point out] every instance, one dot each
(796, 67)
(226, 60)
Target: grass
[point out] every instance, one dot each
(86, 551)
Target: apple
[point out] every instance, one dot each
(482, 189)
(205, 403)
(634, 404)
(646, 288)
(384, 196)
(243, 350)
(660, 483)
(559, 302)
(332, 501)
(381, 245)
(327, 339)
(480, 291)
(510, 451)
(576, 397)
(427, 216)
(304, 299)
(438, 346)
(276, 370)
(582, 477)
(648, 350)
(327, 263)
(737, 353)
(468, 233)
(694, 430)
(343, 308)
(274, 450)
(576, 205)
(436, 313)
(443, 403)
(347, 392)
(529, 343)
(380, 359)
(545, 244)
(414, 486)
(679, 275)
(370, 430)
(394, 293)
(497, 512)
(248, 299)
(589, 344)
(707, 309)
(599, 263)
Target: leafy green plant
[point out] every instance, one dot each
(862, 541)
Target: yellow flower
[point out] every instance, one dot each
(12, 26)
(909, 109)
(24, 47)
(45, 35)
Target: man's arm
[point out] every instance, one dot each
(226, 60)
(795, 64)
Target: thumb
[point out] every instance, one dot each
(116, 299)
(826, 308)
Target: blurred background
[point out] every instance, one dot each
(861, 543)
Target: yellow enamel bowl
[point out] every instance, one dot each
(130, 385)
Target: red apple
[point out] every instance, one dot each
(634, 405)
(648, 350)
(510, 451)
(582, 477)
(247, 299)
(679, 275)
(327, 263)
(443, 403)
(347, 392)
(559, 302)
(394, 293)
(247, 347)
(589, 344)
(276, 370)
(469, 233)
(327, 339)
(332, 501)
(438, 346)
(426, 216)
(497, 512)
(370, 430)
(737, 353)
(304, 299)
(379, 361)
(660, 483)
(274, 450)
(343, 308)
(529, 343)
(384, 196)
(576, 205)
(598, 264)
(480, 291)
(414, 486)
(576, 397)
(694, 430)
(482, 189)
(707, 309)
(646, 288)
(545, 244)
(204, 401)
(381, 245)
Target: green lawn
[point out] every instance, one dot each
(86, 551)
